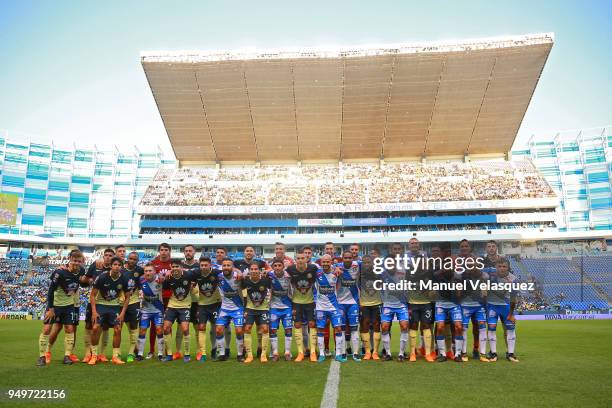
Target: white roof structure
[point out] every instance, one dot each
(329, 104)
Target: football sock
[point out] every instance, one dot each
(403, 341)
(103, 342)
(43, 341)
(265, 344)
(492, 341)
(312, 340)
(458, 345)
(167, 345)
(160, 345)
(133, 340)
(220, 340)
(288, 339)
(365, 339)
(355, 340)
(178, 339)
(376, 336)
(413, 340)
(87, 341)
(441, 342)
(427, 341)
(299, 341)
(511, 339)
(386, 341)
(141, 342)
(321, 343)
(201, 341)
(274, 343)
(116, 352)
(187, 345)
(68, 343)
(248, 344)
(340, 344)
(239, 344)
(464, 343)
(482, 339)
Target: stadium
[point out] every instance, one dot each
(369, 145)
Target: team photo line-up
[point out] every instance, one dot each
(306, 296)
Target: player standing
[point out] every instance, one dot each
(328, 249)
(152, 312)
(209, 302)
(232, 309)
(395, 304)
(95, 270)
(257, 311)
(279, 253)
(220, 255)
(447, 306)
(303, 276)
(133, 275)
(281, 308)
(370, 303)
(420, 309)
(348, 297)
(192, 266)
(473, 308)
(179, 283)
(163, 267)
(328, 309)
(106, 299)
(501, 304)
(63, 290)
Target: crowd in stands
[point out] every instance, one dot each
(346, 183)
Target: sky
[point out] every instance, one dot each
(70, 70)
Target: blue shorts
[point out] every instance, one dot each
(281, 315)
(334, 316)
(454, 312)
(350, 313)
(147, 317)
(226, 316)
(495, 311)
(468, 311)
(388, 312)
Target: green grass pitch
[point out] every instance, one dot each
(563, 364)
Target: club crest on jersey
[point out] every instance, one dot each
(309, 275)
(261, 288)
(119, 286)
(184, 282)
(136, 274)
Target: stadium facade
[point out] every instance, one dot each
(80, 192)
(93, 193)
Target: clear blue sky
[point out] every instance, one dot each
(71, 70)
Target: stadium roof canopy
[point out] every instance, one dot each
(387, 101)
